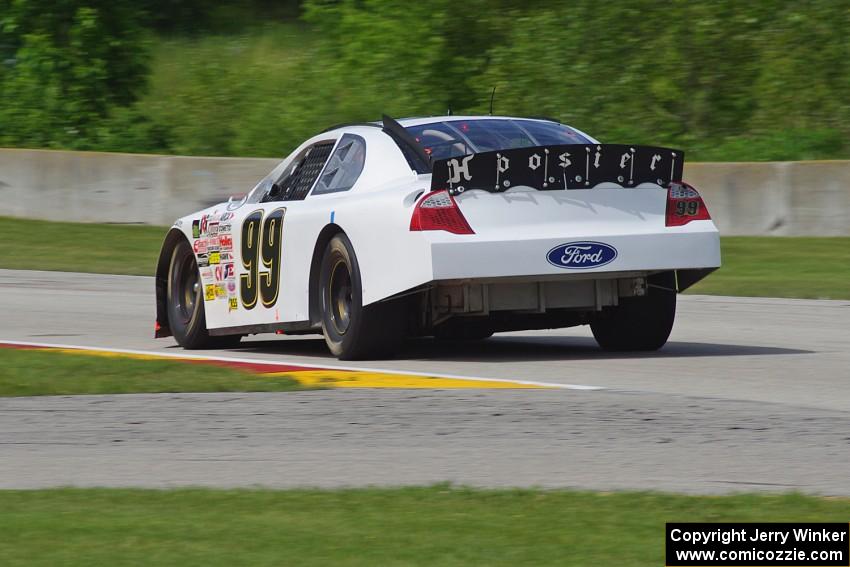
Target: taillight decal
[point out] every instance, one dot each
(684, 205)
(438, 210)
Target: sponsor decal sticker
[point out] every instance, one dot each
(581, 255)
(204, 224)
(212, 228)
(225, 256)
(215, 258)
(220, 291)
(206, 273)
(203, 260)
(224, 227)
(225, 272)
(196, 229)
(200, 246)
(209, 292)
(225, 242)
(232, 303)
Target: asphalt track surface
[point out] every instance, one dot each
(749, 394)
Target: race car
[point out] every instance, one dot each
(455, 227)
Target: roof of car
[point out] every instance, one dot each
(419, 120)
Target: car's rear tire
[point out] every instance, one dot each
(185, 303)
(639, 323)
(351, 330)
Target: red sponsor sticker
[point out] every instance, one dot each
(225, 272)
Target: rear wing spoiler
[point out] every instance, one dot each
(574, 166)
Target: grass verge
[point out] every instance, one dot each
(47, 373)
(437, 525)
(79, 247)
(773, 266)
(752, 265)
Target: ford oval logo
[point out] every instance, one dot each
(581, 255)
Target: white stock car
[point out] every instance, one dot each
(454, 227)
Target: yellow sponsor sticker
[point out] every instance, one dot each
(209, 292)
(220, 291)
(215, 257)
(232, 304)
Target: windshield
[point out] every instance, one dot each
(452, 138)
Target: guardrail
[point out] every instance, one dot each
(810, 198)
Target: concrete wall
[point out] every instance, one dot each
(797, 198)
(119, 188)
(782, 198)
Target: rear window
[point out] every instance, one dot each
(440, 140)
(452, 138)
(489, 135)
(551, 134)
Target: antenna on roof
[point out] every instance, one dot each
(492, 96)
(449, 111)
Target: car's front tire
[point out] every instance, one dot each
(351, 330)
(185, 303)
(639, 323)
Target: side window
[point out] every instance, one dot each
(343, 167)
(296, 181)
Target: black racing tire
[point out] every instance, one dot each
(639, 323)
(185, 303)
(458, 330)
(351, 330)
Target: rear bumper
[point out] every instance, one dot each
(694, 246)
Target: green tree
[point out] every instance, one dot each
(68, 64)
(406, 57)
(760, 80)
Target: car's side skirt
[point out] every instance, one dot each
(290, 328)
